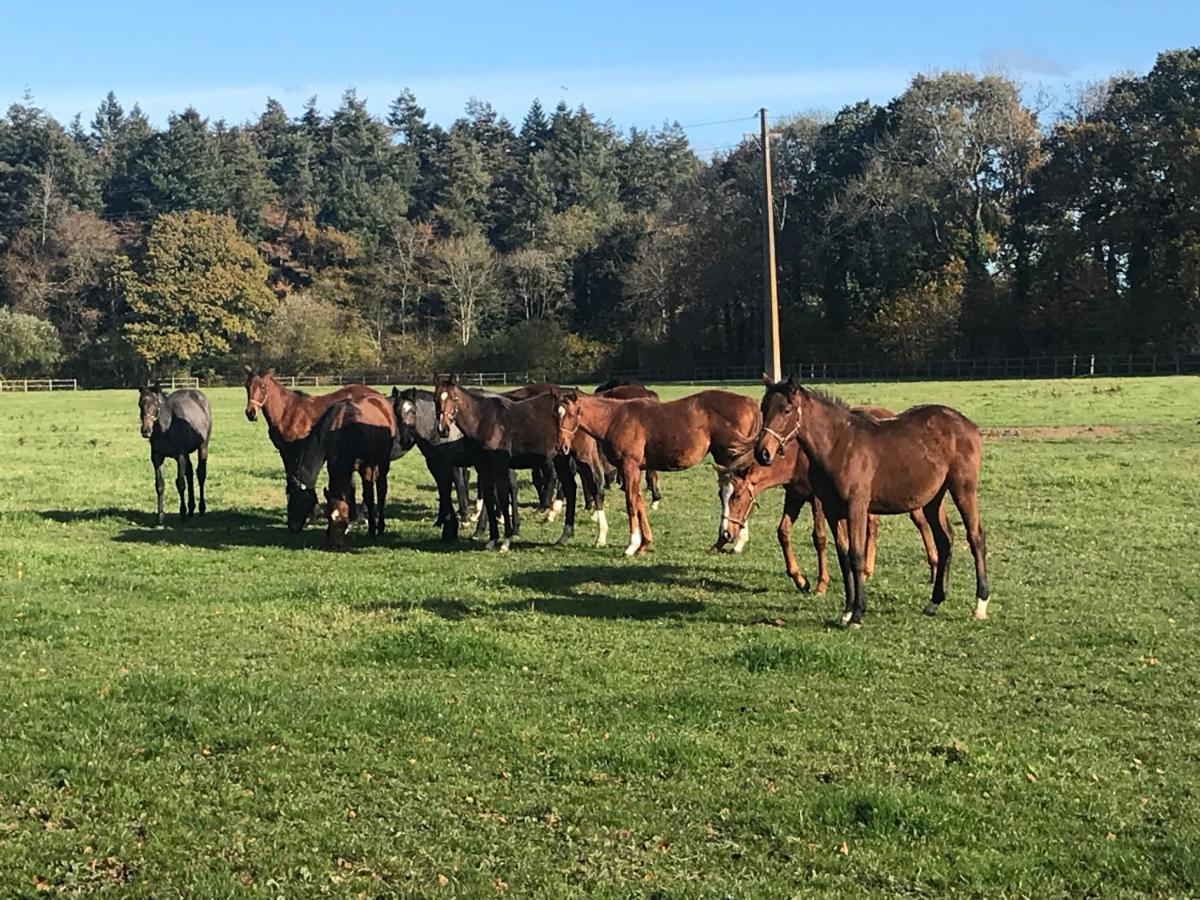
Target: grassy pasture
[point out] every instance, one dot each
(220, 708)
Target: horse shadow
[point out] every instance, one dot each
(580, 591)
(217, 530)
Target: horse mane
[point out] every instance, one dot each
(825, 397)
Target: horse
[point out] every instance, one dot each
(667, 437)
(511, 435)
(860, 466)
(739, 488)
(617, 389)
(290, 414)
(177, 425)
(446, 458)
(352, 434)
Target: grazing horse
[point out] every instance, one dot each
(510, 435)
(177, 425)
(290, 414)
(667, 437)
(352, 434)
(860, 466)
(416, 417)
(739, 488)
(616, 389)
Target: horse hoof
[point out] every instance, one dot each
(504, 546)
(629, 551)
(854, 625)
(980, 610)
(802, 585)
(601, 542)
(931, 609)
(654, 504)
(845, 619)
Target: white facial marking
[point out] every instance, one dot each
(445, 396)
(407, 407)
(335, 516)
(562, 411)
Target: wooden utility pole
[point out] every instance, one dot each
(770, 291)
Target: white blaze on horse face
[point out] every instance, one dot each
(445, 396)
(562, 410)
(406, 407)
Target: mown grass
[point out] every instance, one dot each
(220, 707)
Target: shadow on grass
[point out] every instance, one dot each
(452, 610)
(216, 530)
(583, 591)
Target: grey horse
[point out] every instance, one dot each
(177, 425)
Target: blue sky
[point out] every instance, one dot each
(636, 63)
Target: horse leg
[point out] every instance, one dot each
(564, 467)
(818, 542)
(444, 477)
(631, 482)
(858, 527)
(458, 475)
(159, 485)
(181, 467)
(872, 544)
(643, 519)
(792, 504)
(512, 509)
(936, 519)
(202, 472)
(190, 473)
(966, 498)
(381, 488)
(368, 475)
(655, 490)
(918, 519)
(593, 483)
(487, 494)
(842, 542)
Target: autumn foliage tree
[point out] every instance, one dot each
(197, 287)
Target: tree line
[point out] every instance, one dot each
(949, 222)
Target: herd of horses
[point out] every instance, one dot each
(852, 465)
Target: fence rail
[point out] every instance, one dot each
(24, 385)
(1079, 365)
(1073, 366)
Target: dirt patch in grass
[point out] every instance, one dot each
(1051, 432)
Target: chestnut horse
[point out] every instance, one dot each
(666, 437)
(859, 466)
(616, 389)
(353, 434)
(739, 488)
(290, 414)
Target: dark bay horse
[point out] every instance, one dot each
(353, 434)
(667, 437)
(860, 466)
(290, 414)
(177, 425)
(740, 487)
(445, 457)
(510, 435)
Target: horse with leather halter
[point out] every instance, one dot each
(859, 466)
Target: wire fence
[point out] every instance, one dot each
(1078, 365)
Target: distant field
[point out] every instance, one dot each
(220, 707)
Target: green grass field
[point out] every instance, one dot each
(221, 708)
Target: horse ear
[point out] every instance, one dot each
(271, 372)
(248, 368)
(793, 383)
(395, 392)
(454, 378)
(157, 387)
(767, 380)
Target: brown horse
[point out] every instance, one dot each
(667, 437)
(353, 434)
(739, 489)
(290, 414)
(512, 435)
(631, 390)
(859, 466)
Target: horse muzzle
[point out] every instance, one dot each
(251, 414)
(443, 430)
(726, 537)
(146, 432)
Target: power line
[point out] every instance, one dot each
(719, 122)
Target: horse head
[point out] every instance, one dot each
(447, 398)
(781, 411)
(566, 413)
(150, 404)
(736, 493)
(301, 498)
(258, 389)
(405, 407)
(338, 511)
